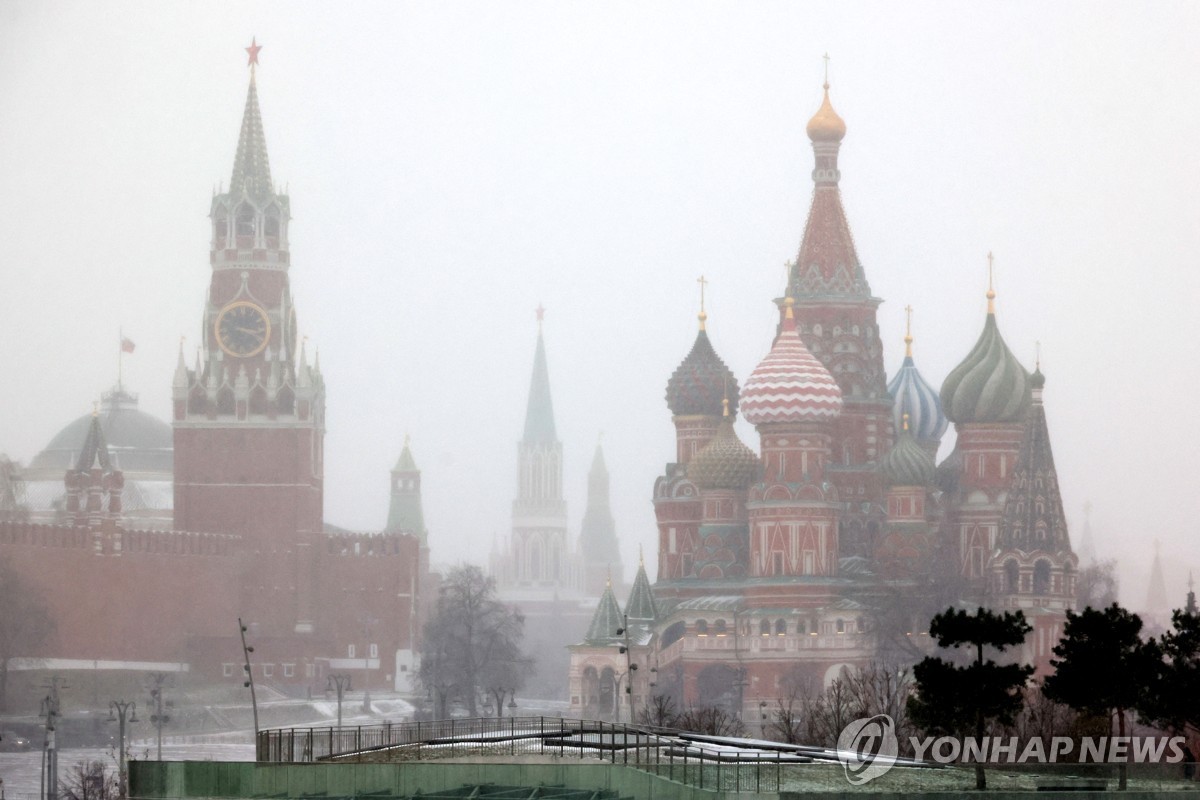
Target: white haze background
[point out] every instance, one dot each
(451, 165)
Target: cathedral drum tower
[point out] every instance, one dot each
(249, 418)
(836, 317)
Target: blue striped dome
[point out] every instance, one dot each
(912, 395)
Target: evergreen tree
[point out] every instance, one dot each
(961, 699)
(1174, 702)
(1103, 667)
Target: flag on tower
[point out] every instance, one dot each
(127, 345)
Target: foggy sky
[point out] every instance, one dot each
(453, 165)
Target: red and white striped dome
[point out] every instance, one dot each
(790, 384)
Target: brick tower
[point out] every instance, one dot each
(249, 418)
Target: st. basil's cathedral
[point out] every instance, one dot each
(836, 542)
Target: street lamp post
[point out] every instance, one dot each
(630, 668)
(249, 682)
(339, 683)
(117, 710)
(368, 621)
(158, 718)
(50, 748)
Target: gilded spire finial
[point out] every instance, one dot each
(905, 420)
(641, 557)
(826, 57)
(725, 406)
(991, 292)
(908, 339)
(541, 315)
(703, 315)
(1037, 358)
(608, 579)
(788, 302)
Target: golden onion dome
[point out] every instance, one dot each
(826, 125)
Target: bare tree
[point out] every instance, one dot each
(828, 712)
(786, 722)
(90, 780)
(660, 712)
(469, 640)
(710, 720)
(880, 688)
(1097, 585)
(24, 622)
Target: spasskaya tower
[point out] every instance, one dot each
(249, 416)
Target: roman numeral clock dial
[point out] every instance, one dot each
(243, 329)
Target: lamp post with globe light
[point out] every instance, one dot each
(117, 710)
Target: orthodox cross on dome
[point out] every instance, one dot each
(703, 315)
(253, 51)
(908, 339)
(1037, 358)
(826, 57)
(991, 292)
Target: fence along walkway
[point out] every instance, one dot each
(707, 762)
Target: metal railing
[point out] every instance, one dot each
(676, 755)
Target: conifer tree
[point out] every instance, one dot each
(960, 699)
(1103, 667)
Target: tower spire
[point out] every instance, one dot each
(251, 168)
(703, 316)
(539, 413)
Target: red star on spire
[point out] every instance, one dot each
(253, 51)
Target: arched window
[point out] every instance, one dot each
(719, 627)
(244, 222)
(271, 227)
(1011, 576)
(220, 228)
(1041, 577)
(535, 561)
(780, 627)
(764, 627)
(841, 626)
(702, 627)
(673, 634)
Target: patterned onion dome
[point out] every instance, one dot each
(701, 381)
(913, 396)
(990, 385)
(724, 463)
(826, 125)
(790, 384)
(907, 463)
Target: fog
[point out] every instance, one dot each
(453, 165)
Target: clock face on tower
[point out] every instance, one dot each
(242, 329)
